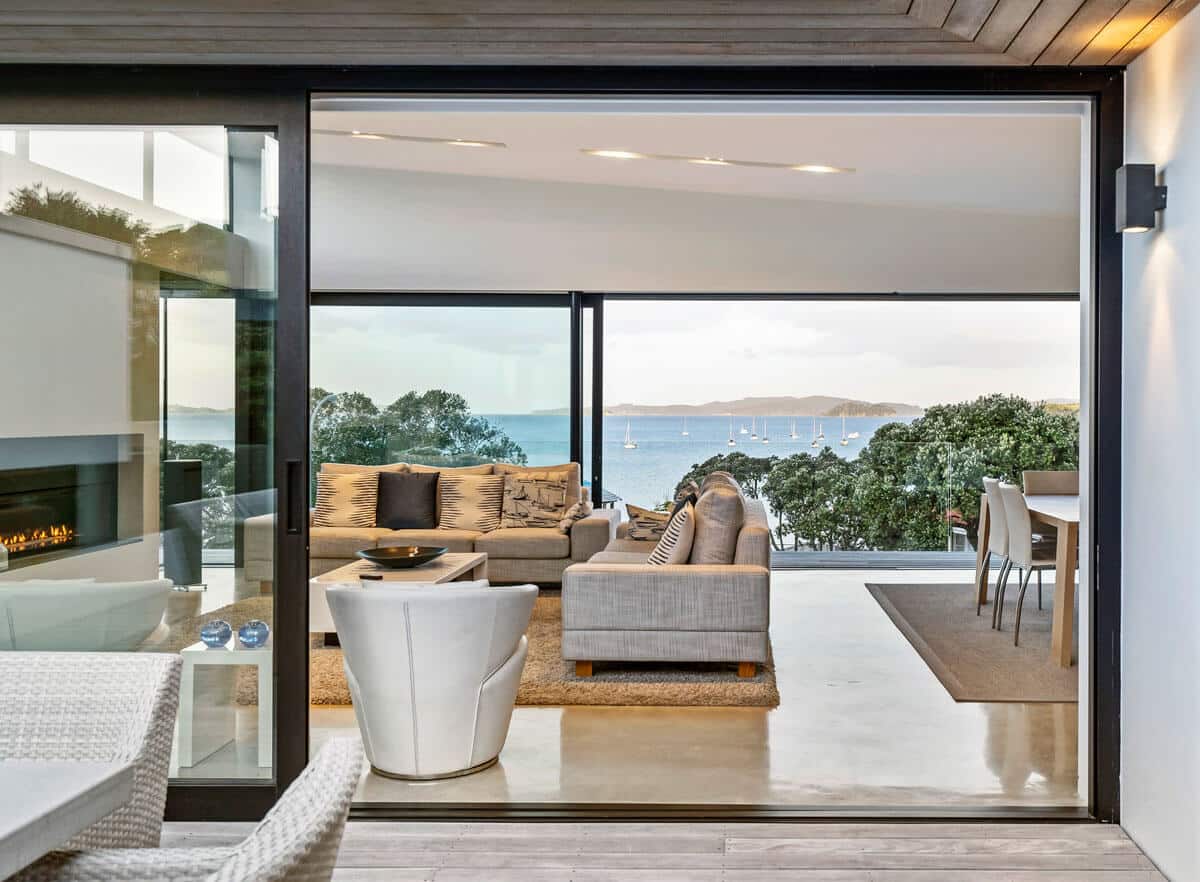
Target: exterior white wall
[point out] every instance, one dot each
(388, 229)
(1160, 774)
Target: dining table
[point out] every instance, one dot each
(46, 802)
(1062, 513)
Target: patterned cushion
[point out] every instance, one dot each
(568, 472)
(719, 516)
(346, 500)
(645, 523)
(676, 544)
(530, 502)
(470, 502)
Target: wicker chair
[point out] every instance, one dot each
(296, 842)
(98, 706)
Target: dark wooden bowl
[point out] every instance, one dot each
(401, 557)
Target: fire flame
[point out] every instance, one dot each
(37, 539)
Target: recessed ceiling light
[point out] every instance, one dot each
(820, 169)
(614, 154)
(708, 160)
(367, 136)
(464, 142)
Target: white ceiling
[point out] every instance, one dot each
(1005, 157)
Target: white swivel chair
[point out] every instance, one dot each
(997, 538)
(433, 671)
(1022, 552)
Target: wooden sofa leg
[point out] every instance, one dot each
(583, 669)
(747, 669)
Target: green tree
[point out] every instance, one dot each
(433, 427)
(814, 499)
(437, 426)
(749, 471)
(935, 465)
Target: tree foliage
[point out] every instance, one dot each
(912, 481)
(433, 427)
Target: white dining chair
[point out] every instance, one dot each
(433, 671)
(1024, 554)
(997, 539)
(297, 841)
(97, 706)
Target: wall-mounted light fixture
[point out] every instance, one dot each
(1138, 198)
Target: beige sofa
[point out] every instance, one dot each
(617, 607)
(515, 554)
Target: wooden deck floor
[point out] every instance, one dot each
(638, 852)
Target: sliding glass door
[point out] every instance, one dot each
(146, 456)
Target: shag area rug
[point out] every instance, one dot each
(548, 679)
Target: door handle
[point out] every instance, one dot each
(294, 503)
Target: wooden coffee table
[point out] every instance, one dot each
(450, 567)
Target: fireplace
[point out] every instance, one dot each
(62, 496)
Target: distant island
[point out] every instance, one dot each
(184, 409)
(785, 405)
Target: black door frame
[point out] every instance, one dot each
(81, 94)
(153, 98)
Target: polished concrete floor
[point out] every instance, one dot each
(862, 723)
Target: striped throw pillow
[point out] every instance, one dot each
(470, 502)
(676, 544)
(346, 500)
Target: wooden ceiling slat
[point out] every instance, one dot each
(878, 32)
(967, 17)
(1047, 20)
(1123, 27)
(931, 12)
(515, 7)
(474, 50)
(452, 20)
(1090, 18)
(351, 37)
(1158, 26)
(1005, 23)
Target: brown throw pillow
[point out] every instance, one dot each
(470, 502)
(646, 524)
(531, 502)
(346, 500)
(407, 501)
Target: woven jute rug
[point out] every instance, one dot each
(974, 662)
(548, 678)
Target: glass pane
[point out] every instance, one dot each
(440, 386)
(864, 426)
(136, 486)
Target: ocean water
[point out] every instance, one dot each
(646, 475)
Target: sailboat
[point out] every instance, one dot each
(731, 443)
(630, 444)
(685, 431)
(793, 434)
(765, 439)
(742, 430)
(844, 440)
(815, 443)
(852, 435)
(820, 431)
(753, 430)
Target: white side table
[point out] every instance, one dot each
(192, 749)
